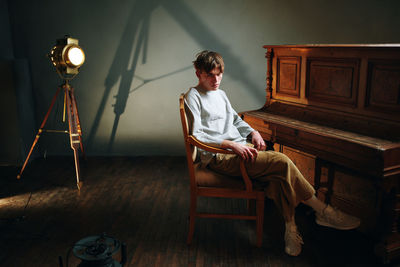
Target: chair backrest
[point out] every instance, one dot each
(184, 120)
(191, 151)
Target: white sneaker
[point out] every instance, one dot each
(293, 242)
(332, 217)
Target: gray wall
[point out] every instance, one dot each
(6, 50)
(17, 118)
(139, 53)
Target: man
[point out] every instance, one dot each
(216, 123)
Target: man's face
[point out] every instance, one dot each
(210, 81)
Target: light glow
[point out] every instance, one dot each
(76, 56)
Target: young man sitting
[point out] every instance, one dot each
(216, 123)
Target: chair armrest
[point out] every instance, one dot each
(246, 179)
(195, 142)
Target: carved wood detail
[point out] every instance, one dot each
(332, 80)
(269, 55)
(288, 76)
(383, 88)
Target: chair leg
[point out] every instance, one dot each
(251, 206)
(192, 217)
(260, 220)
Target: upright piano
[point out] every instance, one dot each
(335, 110)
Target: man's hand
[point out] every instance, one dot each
(258, 141)
(245, 152)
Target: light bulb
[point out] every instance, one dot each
(76, 56)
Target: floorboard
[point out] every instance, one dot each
(143, 201)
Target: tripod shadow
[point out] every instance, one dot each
(124, 66)
(137, 24)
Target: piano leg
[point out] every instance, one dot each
(319, 163)
(270, 145)
(389, 246)
(331, 176)
(317, 175)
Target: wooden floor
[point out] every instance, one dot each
(143, 201)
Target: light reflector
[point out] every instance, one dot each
(67, 56)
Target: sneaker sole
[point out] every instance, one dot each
(292, 255)
(322, 223)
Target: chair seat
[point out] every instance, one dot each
(208, 178)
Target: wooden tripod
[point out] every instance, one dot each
(74, 129)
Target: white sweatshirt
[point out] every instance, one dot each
(214, 119)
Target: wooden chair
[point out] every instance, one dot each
(206, 183)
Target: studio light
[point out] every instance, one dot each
(67, 57)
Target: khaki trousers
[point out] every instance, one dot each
(284, 183)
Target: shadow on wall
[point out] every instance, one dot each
(124, 65)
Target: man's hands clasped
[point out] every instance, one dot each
(247, 153)
(258, 141)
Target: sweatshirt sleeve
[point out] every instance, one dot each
(242, 126)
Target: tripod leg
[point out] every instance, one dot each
(39, 132)
(78, 122)
(73, 134)
(29, 154)
(77, 169)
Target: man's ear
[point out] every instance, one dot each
(198, 73)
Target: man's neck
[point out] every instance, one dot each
(201, 88)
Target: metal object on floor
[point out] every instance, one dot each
(98, 251)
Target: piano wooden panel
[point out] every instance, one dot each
(336, 109)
